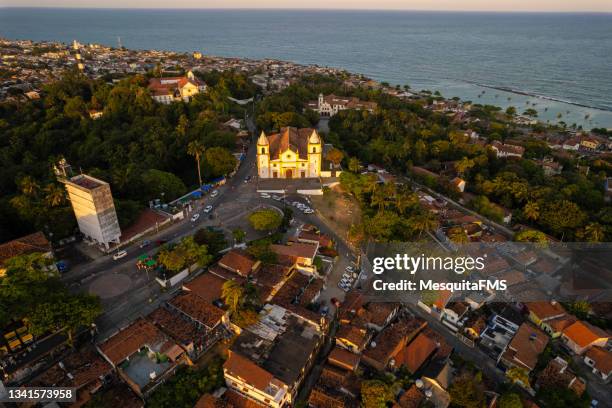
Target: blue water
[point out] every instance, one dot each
(567, 57)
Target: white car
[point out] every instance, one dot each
(346, 275)
(308, 211)
(119, 254)
(214, 193)
(208, 209)
(277, 198)
(350, 269)
(195, 217)
(264, 195)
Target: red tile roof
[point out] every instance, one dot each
(416, 353)
(602, 359)
(36, 242)
(295, 250)
(343, 358)
(249, 372)
(133, 338)
(238, 261)
(290, 138)
(198, 309)
(583, 333)
(207, 286)
(545, 310)
(526, 346)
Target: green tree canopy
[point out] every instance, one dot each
(265, 220)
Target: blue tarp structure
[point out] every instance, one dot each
(206, 187)
(196, 194)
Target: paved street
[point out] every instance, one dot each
(127, 292)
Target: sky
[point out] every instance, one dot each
(454, 5)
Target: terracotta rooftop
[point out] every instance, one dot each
(175, 326)
(545, 310)
(416, 353)
(290, 138)
(131, 339)
(412, 398)
(36, 242)
(353, 334)
(343, 358)
(298, 249)
(526, 346)
(236, 400)
(392, 336)
(602, 359)
(207, 286)
(583, 333)
(239, 261)
(252, 374)
(198, 309)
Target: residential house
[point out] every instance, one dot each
(239, 262)
(352, 338)
(459, 184)
(558, 374)
(524, 349)
(249, 379)
(343, 359)
(142, 355)
(416, 353)
(301, 254)
(83, 370)
(385, 347)
(29, 244)
(600, 360)
(283, 347)
(549, 316)
(581, 336)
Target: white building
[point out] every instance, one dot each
(331, 104)
(92, 202)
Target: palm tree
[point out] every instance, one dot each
(532, 210)
(404, 200)
(239, 235)
(54, 195)
(424, 222)
(594, 232)
(196, 149)
(379, 198)
(231, 293)
(28, 186)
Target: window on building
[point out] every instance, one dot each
(314, 149)
(263, 150)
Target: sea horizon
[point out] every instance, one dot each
(555, 60)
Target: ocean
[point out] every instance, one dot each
(560, 64)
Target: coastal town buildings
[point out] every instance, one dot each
(92, 202)
(291, 153)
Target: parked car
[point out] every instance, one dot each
(145, 243)
(195, 217)
(214, 193)
(308, 211)
(119, 254)
(350, 269)
(247, 178)
(264, 195)
(208, 209)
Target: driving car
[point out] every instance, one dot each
(119, 254)
(208, 209)
(195, 217)
(145, 243)
(214, 193)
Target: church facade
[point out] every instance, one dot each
(291, 153)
